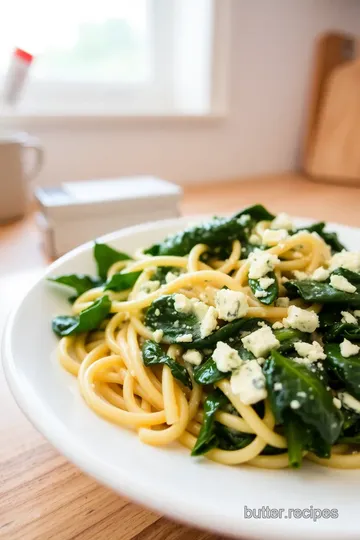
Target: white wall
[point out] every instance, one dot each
(272, 47)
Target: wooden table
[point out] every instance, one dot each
(42, 495)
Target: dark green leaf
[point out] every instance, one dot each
(272, 292)
(229, 333)
(153, 354)
(105, 256)
(88, 319)
(300, 385)
(208, 373)
(230, 439)
(323, 292)
(287, 338)
(301, 438)
(122, 281)
(347, 370)
(257, 212)
(207, 438)
(162, 271)
(79, 282)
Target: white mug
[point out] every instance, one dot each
(14, 189)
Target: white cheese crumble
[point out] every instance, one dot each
(312, 352)
(295, 404)
(248, 383)
(346, 259)
(255, 239)
(301, 319)
(157, 312)
(282, 221)
(260, 342)
(185, 338)
(244, 219)
(283, 301)
(193, 357)
(273, 237)
(300, 275)
(348, 349)
(357, 313)
(260, 294)
(342, 284)
(226, 358)
(207, 315)
(170, 276)
(348, 318)
(266, 282)
(209, 322)
(277, 325)
(182, 304)
(261, 262)
(320, 274)
(158, 335)
(231, 305)
(278, 386)
(349, 401)
(337, 402)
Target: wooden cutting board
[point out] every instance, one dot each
(332, 145)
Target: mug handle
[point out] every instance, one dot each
(34, 144)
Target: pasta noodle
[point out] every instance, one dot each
(150, 398)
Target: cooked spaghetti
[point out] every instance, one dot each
(236, 337)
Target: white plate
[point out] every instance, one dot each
(168, 480)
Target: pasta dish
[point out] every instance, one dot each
(238, 338)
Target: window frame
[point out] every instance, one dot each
(161, 94)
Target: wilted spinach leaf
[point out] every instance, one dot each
(207, 438)
(79, 282)
(302, 388)
(323, 292)
(153, 354)
(229, 333)
(272, 292)
(105, 256)
(88, 319)
(347, 370)
(300, 438)
(212, 233)
(287, 338)
(122, 281)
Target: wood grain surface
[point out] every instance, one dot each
(42, 495)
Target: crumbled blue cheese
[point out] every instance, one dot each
(260, 342)
(342, 284)
(349, 401)
(277, 325)
(282, 221)
(226, 358)
(231, 305)
(357, 313)
(273, 237)
(150, 286)
(255, 239)
(346, 259)
(283, 301)
(295, 404)
(337, 402)
(158, 335)
(278, 386)
(320, 274)
(266, 282)
(182, 304)
(193, 357)
(348, 349)
(300, 275)
(301, 319)
(348, 318)
(185, 338)
(209, 322)
(310, 352)
(170, 276)
(157, 312)
(248, 383)
(207, 315)
(260, 294)
(261, 262)
(244, 219)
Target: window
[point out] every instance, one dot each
(132, 57)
